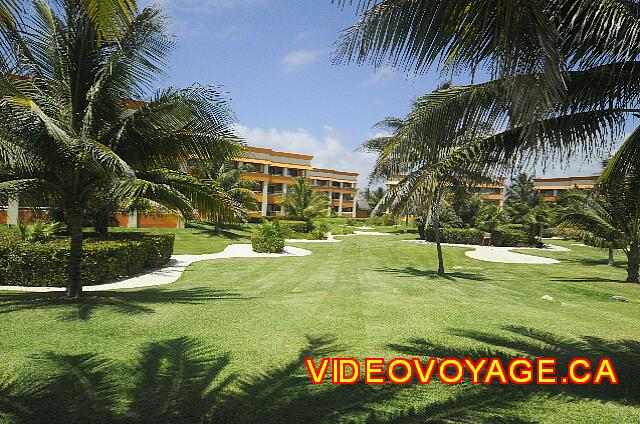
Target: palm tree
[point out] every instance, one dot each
(565, 72)
(229, 178)
(301, 202)
(109, 17)
(609, 219)
(413, 157)
(374, 196)
(71, 137)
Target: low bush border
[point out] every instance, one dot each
(45, 264)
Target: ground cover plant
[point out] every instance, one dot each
(225, 343)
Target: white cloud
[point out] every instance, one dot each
(303, 35)
(329, 151)
(298, 59)
(379, 75)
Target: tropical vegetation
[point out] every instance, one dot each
(609, 219)
(81, 132)
(563, 79)
(301, 202)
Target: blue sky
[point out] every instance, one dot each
(272, 56)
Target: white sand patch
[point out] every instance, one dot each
(365, 228)
(579, 244)
(173, 271)
(504, 254)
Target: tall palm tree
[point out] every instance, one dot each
(609, 219)
(566, 74)
(301, 202)
(412, 157)
(70, 135)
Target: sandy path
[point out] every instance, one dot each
(505, 255)
(173, 271)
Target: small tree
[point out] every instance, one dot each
(301, 202)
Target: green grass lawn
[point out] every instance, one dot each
(227, 340)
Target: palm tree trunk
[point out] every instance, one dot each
(634, 263)
(436, 231)
(102, 223)
(611, 261)
(74, 223)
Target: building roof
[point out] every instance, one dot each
(332, 171)
(277, 153)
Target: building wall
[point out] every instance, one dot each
(551, 188)
(273, 187)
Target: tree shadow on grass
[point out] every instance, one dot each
(179, 381)
(589, 280)
(414, 272)
(497, 403)
(124, 302)
(220, 232)
(594, 262)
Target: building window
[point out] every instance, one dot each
(335, 196)
(320, 183)
(491, 190)
(275, 189)
(548, 192)
(292, 172)
(276, 170)
(347, 209)
(335, 184)
(259, 187)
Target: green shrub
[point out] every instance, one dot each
(508, 236)
(39, 231)
(355, 222)
(297, 226)
(388, 220)
(268, 238)
(24, 263)
(373, 220)
(457, 235)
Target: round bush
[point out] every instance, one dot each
(268, 238)
(45, 264)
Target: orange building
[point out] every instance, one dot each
(275, 171)
(551, 188)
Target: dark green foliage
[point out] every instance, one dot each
(508, 236)
(388, 220)
(268, 238)
(297, 226)
(456, 235)
(44, 264)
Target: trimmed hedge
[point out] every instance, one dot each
(268, 238)
(45, 264)
(456, 235)
(297, 226)
(508, 237)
